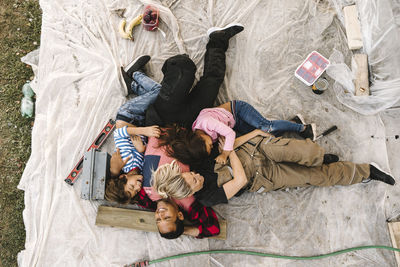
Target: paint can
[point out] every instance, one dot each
(320, 86)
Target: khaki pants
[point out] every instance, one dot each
(275, 163)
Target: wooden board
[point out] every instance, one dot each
(362, 81)
(394, 230)
(137, 219)
(353, 27)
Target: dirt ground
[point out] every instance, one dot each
(20, 23)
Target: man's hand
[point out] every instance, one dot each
(116, 163)
(138, 144)
(152, 131)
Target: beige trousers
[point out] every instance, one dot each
(276, 163)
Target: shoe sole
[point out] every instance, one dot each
(301, 118)
(385, 172)
(314, 131)
(126, 68)
(214, 29)
(379, 168)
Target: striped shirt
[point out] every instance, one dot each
(126, 148)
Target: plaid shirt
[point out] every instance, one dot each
(204, 218)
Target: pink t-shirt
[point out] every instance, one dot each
(217, 122)
(153, 152)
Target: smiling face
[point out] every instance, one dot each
(166, 214)
(194, 180)
(133, 184)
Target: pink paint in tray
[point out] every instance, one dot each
(311, 68)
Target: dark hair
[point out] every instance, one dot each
(115, 191)
(184, 145)
(178, 230)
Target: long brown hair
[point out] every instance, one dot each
(184, 145)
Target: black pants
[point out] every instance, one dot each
(175, 102)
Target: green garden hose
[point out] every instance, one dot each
(262, 254)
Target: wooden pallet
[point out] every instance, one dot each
(394, 230)
(137, 219)
(362, 81)
(353, 27)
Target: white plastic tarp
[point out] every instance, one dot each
(79, 88)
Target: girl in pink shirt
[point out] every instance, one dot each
(240, 116)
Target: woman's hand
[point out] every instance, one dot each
(222, 158)
(246, 137)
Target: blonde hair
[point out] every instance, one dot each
(168, 181)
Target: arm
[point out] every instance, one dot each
(223, 131)
(227, 132)
(138, 144)
(146, 131)
(205, 220)
(116, 163)
(244, 138)
(121, 123)
(191, 230)
(221, 158)
(239, 177)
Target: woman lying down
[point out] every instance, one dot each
(261, 163)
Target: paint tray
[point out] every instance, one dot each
(311, 68)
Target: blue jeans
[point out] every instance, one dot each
(147, 91)
(248, 119)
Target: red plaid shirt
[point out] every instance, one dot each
(204, 218)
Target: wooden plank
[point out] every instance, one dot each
(137, 219)
(353, 27)
(394, 230)
(362, 81)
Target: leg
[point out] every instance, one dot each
(245, 115)
(206, 90)
(179, 73)
(136, 65)
(339, 173)
(302, 152)
(142, 84)
(175, 104)
(133, 111)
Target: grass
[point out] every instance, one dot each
(20, 23)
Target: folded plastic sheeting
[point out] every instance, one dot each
(79, 87)
(381, 37)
